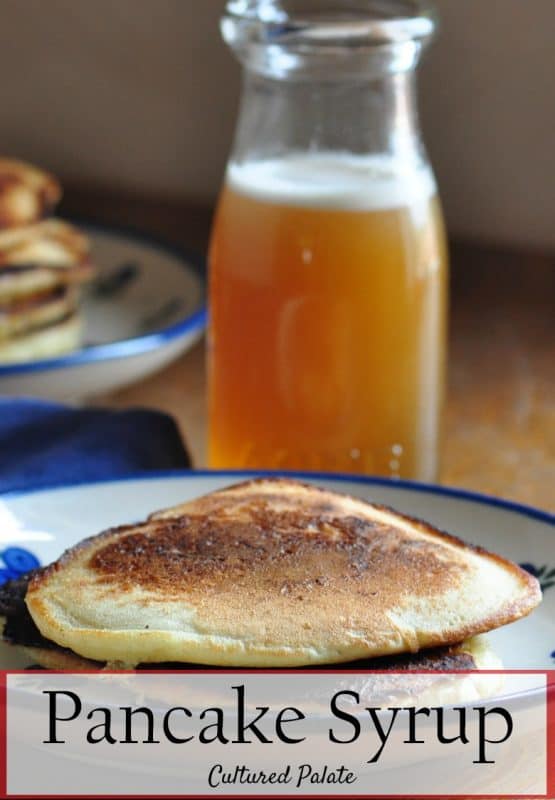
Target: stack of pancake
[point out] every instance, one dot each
(43, 261)
(269, 573)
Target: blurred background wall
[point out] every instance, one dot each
(141, 94)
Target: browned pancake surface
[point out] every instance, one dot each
(274, 573)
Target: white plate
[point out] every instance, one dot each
(144, 310)
(46, 522)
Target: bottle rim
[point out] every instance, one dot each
(334, 23)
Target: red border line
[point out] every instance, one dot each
(3, 735)
(496, 796)
(550, 731)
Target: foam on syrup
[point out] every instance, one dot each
(334, 180)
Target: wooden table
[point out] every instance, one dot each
(500, 420)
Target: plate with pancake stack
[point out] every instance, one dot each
(343, 582)
(85, 309)
(43, 263)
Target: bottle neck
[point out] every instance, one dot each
(375, 116)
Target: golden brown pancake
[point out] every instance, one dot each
(36, 311)
(50, 243)
(26, 193)
(473, 654)
(59, 659)
(21, 281)
(40, 258)
(19, 630)
(273, 573)
(54, 339)
(391, 681)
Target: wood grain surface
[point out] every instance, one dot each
(500, 416)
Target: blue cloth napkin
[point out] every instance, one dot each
(45, 443)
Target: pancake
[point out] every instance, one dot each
(53, 340)
(50, 243)
(40, 258)
(402, 689)
(273, 573)
(406, 689)
(475, 653)
(19, 629)
(26, 193)
(36, 311)
(21, 281)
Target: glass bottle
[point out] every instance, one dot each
(328, 264)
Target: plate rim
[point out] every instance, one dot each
(123, 348)
(453, 492)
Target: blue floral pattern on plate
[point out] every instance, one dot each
(17, 561)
